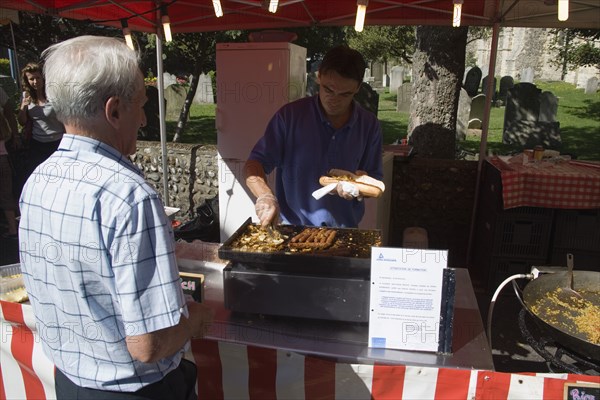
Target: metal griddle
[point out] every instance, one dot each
(350, 254)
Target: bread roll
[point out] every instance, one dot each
(367, 186)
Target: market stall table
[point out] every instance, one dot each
(550, 184)
(248, 356)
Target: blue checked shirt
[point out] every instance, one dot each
(97, 256)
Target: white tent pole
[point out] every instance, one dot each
(14, 58)
(162, 113)
(485, 123)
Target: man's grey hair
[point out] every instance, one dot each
(84, 72)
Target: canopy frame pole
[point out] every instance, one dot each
(162, 113)
(485, 123)
(14, 58)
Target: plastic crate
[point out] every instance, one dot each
(10, 279)
(522, 235)
(577, 229)
(501, 268)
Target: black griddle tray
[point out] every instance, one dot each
(350, 253)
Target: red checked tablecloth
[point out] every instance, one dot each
(568, 184)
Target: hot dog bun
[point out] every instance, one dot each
(367, 186)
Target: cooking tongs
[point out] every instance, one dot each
(567, 292)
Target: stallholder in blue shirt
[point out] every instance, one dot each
(310, 136)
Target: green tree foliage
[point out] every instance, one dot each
(319, 39)
(36, 32)
(383, 43)
(576, 48)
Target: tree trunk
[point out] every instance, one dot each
(185, 110)
(438, 68)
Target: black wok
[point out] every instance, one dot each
(553, 317)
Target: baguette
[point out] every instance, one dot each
(367, 186)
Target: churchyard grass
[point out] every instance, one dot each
(578, 114)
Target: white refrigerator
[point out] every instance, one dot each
(253, 81)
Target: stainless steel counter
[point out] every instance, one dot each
(342, 341)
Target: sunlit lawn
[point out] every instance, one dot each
(578, 114)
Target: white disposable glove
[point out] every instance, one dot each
(267, 209)
(348, 191)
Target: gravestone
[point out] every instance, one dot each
(169, 79)
(477, 110)
(385, 81)
(527, 75)
(467, 69)
(548, 107)
(368, 98)
(396, 78)
(472, 81)
(175, 97)
(462, 115)
(377, 73)
(368, 77)
(204, 92)
(522, 123)
(506, 82)
(591, 86)
(522, 103)
(10, 88)
(484, 83)
(405, 92)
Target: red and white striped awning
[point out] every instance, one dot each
(234, 371)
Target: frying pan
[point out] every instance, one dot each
(553, 318)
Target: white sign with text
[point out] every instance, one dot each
(406, 295)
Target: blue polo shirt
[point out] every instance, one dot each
(300, 143)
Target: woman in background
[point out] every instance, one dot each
(47, 131)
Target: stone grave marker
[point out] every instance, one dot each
(377, 73)
(368, 98)
(462, 115)
(396, 78)
(175, 97)
(169, 79)
(527, 75)
(523, 123)
(467, 69)
(472, 81)
(484, 83)
(204, 92)
(405, 92)
(591, 86)
(506, 82)
(476, 113)
(522, 103)
(385, 80)
(368, 77)
(548, 107)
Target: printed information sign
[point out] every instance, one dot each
(405, 300)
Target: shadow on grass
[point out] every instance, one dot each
(591, 110)
(197, 130)
(582, 142)
(393, 130)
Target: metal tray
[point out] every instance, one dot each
(350, 254)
